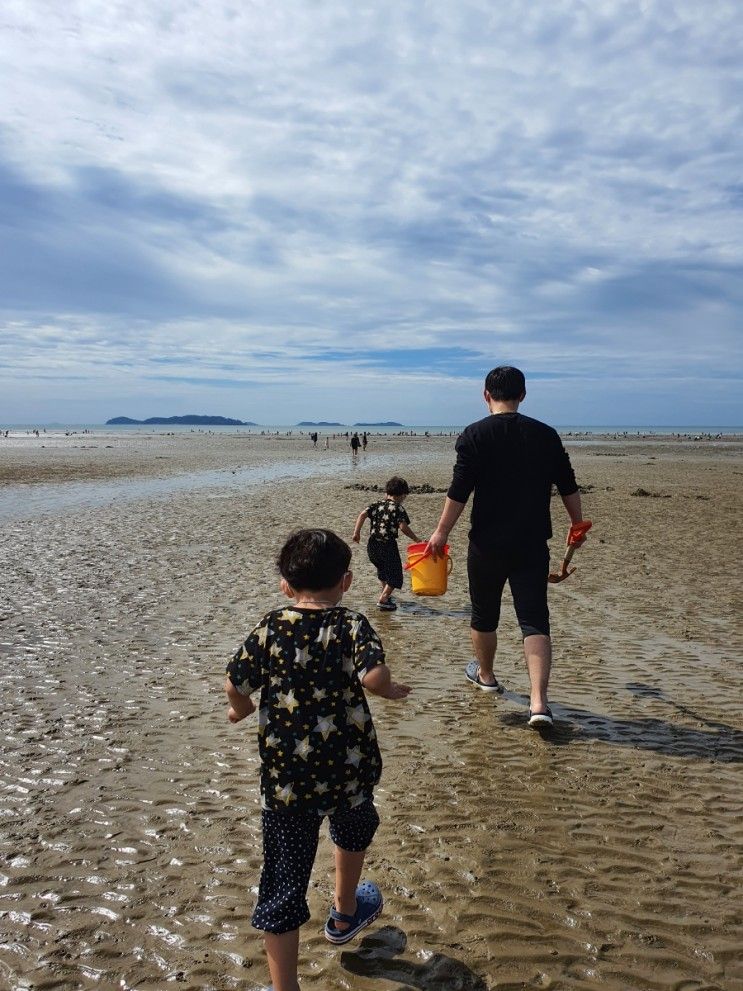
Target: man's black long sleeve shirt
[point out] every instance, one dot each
(510, 461)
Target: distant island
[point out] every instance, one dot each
(191, 419)
(385, 423)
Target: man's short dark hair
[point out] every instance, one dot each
(505, 383)
(314, 559)
(397, 486)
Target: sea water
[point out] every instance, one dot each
(30, 500)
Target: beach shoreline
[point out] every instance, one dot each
(63, 457)
(603, 857)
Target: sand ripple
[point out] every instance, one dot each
(605, 855)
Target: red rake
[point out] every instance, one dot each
(576, 536)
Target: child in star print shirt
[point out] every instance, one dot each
(312, 663)
(385, 518)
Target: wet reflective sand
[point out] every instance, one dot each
(604, 855)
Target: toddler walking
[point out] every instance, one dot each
(312, 662)
(385, 518)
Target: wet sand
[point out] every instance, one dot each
(605, 855)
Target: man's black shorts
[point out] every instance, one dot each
(525, 568)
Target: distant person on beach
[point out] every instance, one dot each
(313, 438)
(510, 462)
(355, 445)
(312, 662)
(364, 440)
(385, 518)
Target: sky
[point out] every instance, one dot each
(322, 210)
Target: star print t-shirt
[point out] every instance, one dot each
(385, 518)
(316, 740)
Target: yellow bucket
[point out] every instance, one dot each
(427, 577)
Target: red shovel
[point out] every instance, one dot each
(576, 536)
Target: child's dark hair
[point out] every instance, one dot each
(397, 486)
(314, 559)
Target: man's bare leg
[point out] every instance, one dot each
(538, 654)
(485, 646)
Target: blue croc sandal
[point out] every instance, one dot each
(369, 904)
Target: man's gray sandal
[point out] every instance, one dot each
(541, 718)
(472, 673)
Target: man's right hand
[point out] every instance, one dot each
(451, 513)
(579, 538)
(436, 544)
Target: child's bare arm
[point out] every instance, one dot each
(357, 529)
(379, 681)
(240, 705)
(409, 533)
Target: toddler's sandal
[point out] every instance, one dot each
(369, 904)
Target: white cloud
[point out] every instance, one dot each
(557, 183)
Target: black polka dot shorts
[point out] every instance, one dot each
(289, 847)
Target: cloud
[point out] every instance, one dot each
(380, 197)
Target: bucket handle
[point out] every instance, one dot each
(412, 563)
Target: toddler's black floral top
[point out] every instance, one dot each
(385, 518)
(316, 740)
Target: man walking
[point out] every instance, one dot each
(510, 462)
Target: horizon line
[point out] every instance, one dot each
(327, 425)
